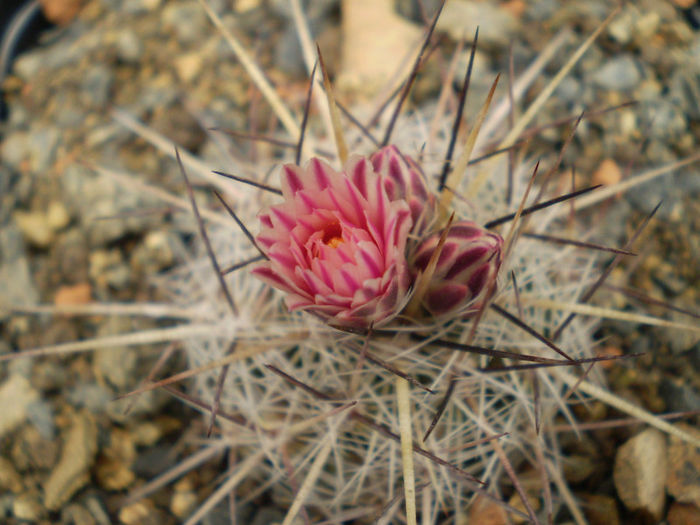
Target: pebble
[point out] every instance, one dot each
(373, 31)
(460, 18)
(129, 46)
(116, 365)
(97, 509)
(95, 398)
(646, 197)
(159, 92)
(57, 216)
(188, 66)
(113, 468)
(684, 4)
(640, 471)
(516, 502)
(542, 9)
(600, 509)
(569, 90)
(16, 395)
(34, 227)
(666, 278)
(608, 173)
(28, 65)
(147, 403)
(16, 282)
(73, 294)
(60, 12)
(178, 125)
(578, 467)
(140, 6)
(43, 141)
(269, 516)
(108, 269)
(221, 515)
(683, 481)
(28, 507)
(72, 472)
(10, 480)
(147, 433)
(75, 514)
(71, 258)
(31, 451)
(142, 512)
(667, 120)
(683, 514)
(621, 28)
(41, 416)
(646, 26)
(6, 502)
(102, 206)
(155, 253)
(485, 511)
(287, 50)
(620, 74)
(242, 6)
(50, 375)
(96, 86)
(14, 149)
(113, 475)
(153, 461)
(679, 395)
(184, 498)
(187, 20)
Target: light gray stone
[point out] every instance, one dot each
(640, 473)
(460, 19)
(16, 395)
(622, 73)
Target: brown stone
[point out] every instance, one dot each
(61, 12)
(10, 480)
(608, 173)
(72, 472)
(487, 512)
(683, 479)
(75, 294)
(517, 503)
(114, 467)
(683, 514)
(683, 4)
(600, 509)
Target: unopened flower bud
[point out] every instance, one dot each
(465, 270)
(404, 181)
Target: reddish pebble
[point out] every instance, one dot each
(683, 514)
(75, 294)
(608, 173)
(60, 12)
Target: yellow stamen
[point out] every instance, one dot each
(334, 242)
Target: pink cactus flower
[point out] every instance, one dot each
(466, 268)
(403, 180)
(336, 245)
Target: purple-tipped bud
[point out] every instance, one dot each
(465, 271)
(404, 181)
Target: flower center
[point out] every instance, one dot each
(332, 235)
